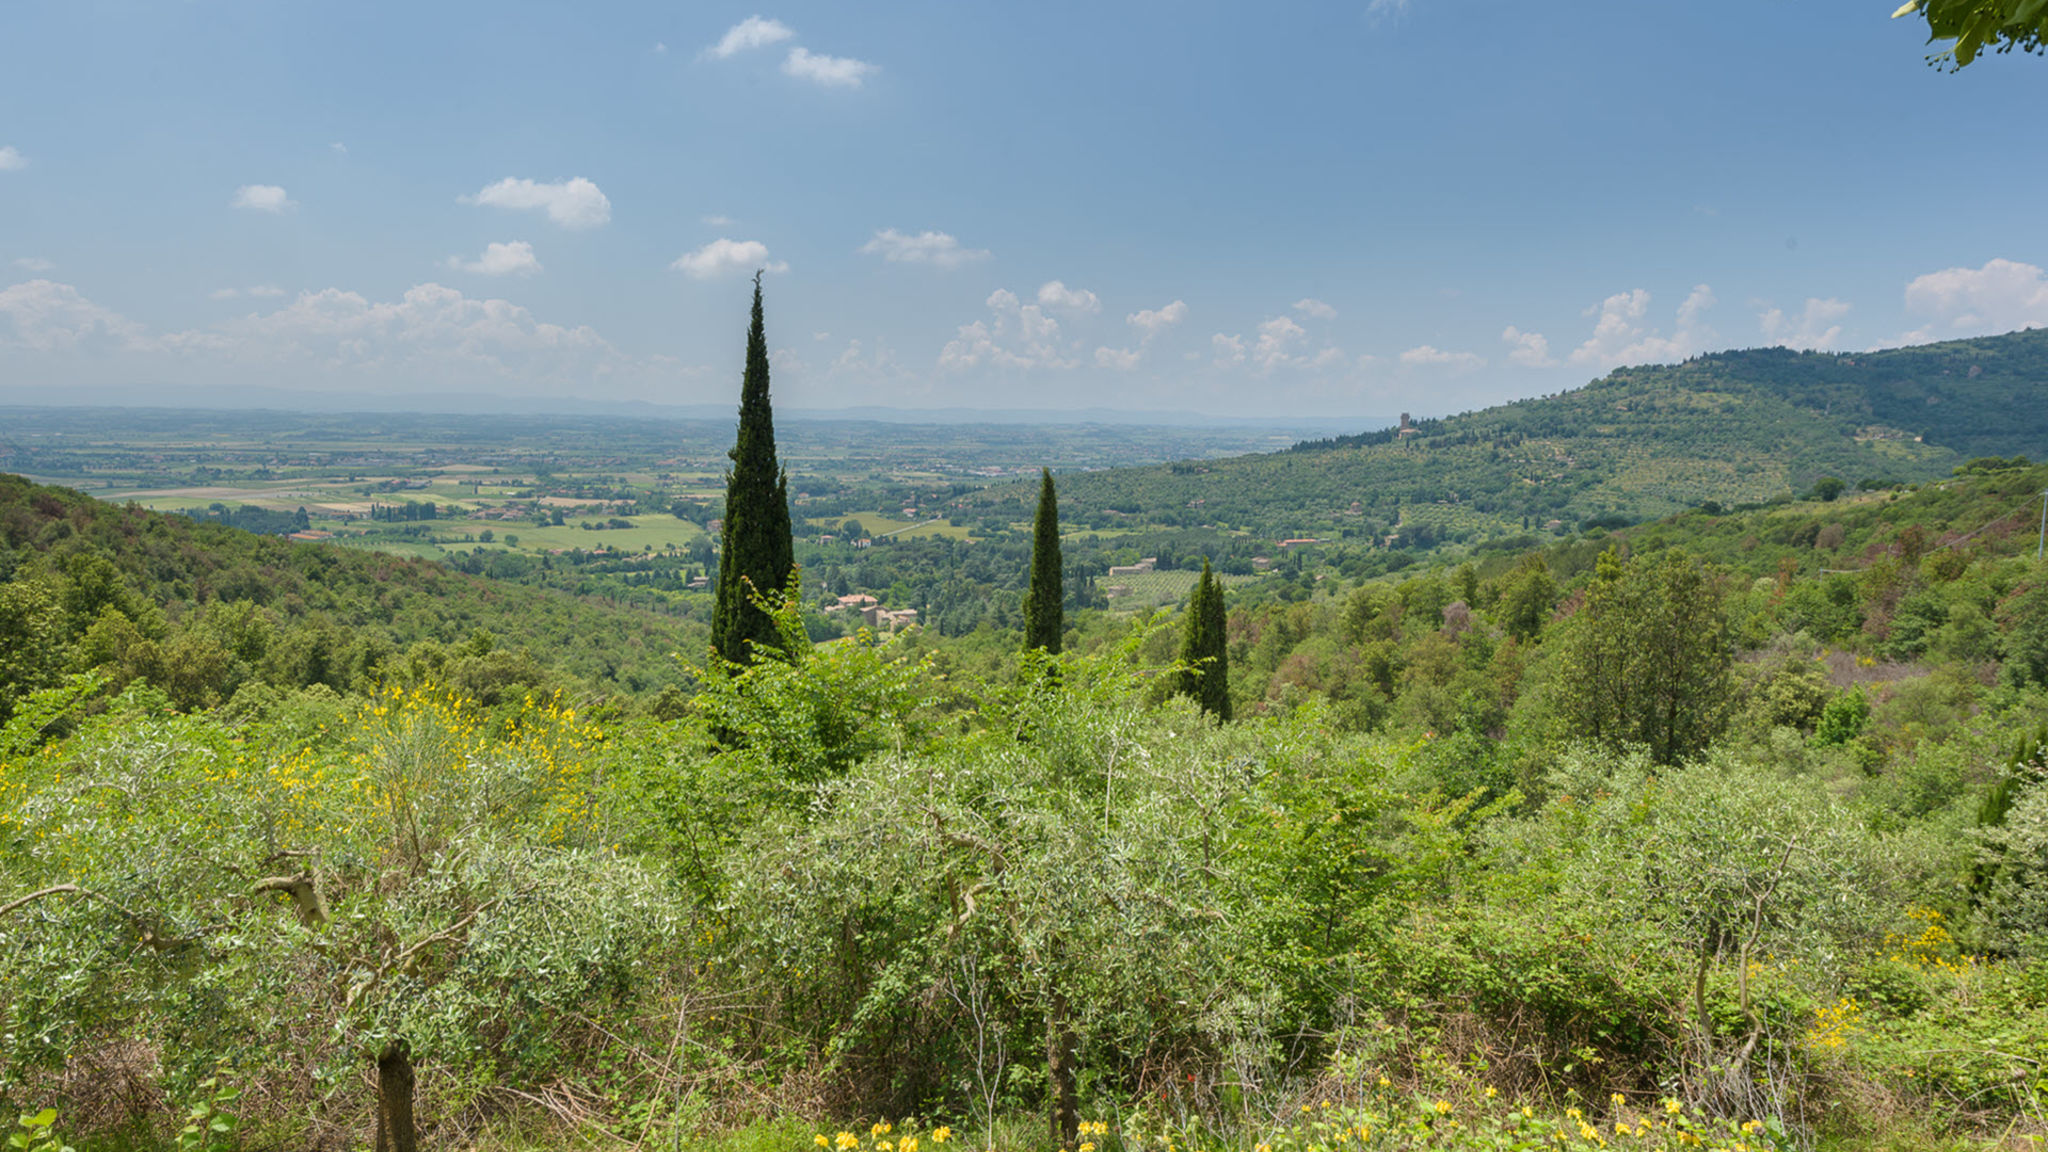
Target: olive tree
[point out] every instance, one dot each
(415, 891)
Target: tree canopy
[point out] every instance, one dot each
(1979, 25)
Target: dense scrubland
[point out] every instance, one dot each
(1656, 838)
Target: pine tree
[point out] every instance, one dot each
(756, 552)
(1204, 648)
(1044, 618)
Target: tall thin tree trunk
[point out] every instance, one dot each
(1062, 1072)
(395, 1130)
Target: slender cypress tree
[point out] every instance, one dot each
(1044, 618)
(1204, 648)
(755, 549)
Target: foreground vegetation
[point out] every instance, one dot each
(851, 885)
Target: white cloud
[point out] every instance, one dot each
(44, 316)
(513, 259)
(1229, 349)
(223, 293)
(2001, 296)
(34, 264)
(265, 291)
(723, 257)
(753, 32)
(1528, 348)
(1120, 359)
(1310, 306)
(1275, 337)
(1429, 356)
(1811, 330)
(1054, 294)
(263, 198)
(936, 248)
(11, 159)
(338, 148)
(1153, 321)
(829, 71)
(1620, 336)
(433, 337)
(576, 203)
(660, 49)
(1015, 336)
(717, 221)
(1696, 304)
(1380, 9)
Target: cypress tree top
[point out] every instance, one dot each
(1044, 616)
(756, 552)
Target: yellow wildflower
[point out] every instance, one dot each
(820, 1141)
(941, 1135)
(1443, 1107)
(1673, 1107)
(1491, 1091)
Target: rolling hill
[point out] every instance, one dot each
(1732, 428)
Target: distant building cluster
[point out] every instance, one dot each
(873, 614)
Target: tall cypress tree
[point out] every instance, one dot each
(1044, 617)
(1204, 648)
(755, 549)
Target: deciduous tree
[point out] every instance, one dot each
(1975, 25)
(1647, 658)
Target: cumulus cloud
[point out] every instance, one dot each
(11, 159)
(338, 148)
(722, 257)
(576, 203)
(513, 259)
(827, 71)
(263, 198)
(1015, 335)
(33, 264)
(753, 32)
(1531, 349)
(1812, 329)
(45, 316)
(1430, 356)
(1120, 359)
(1152, 321)
(1620, 335)
(1999, 297)
(1276, 337)
(1310, 306)
(935, 248)
(1054, 294)
(1229, 350)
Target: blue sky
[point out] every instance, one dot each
(1289, 209)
